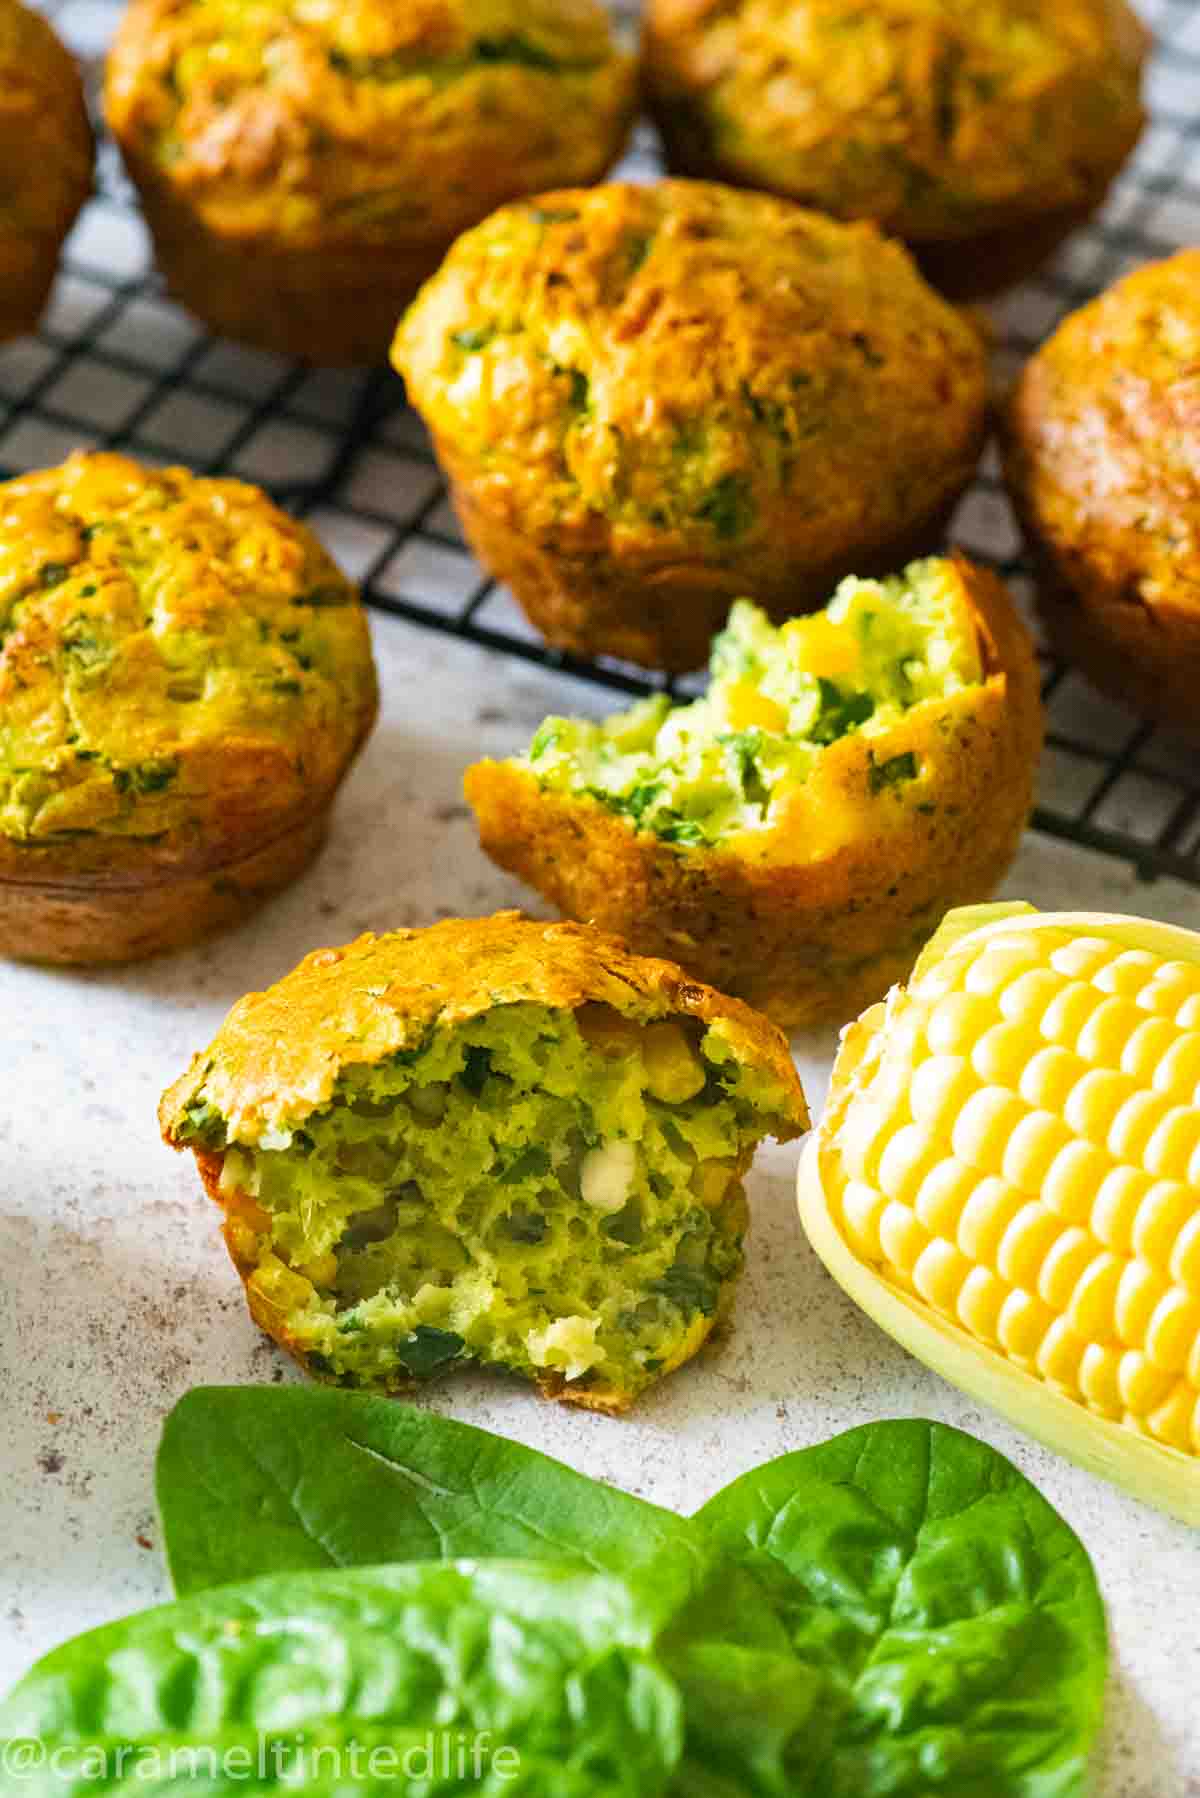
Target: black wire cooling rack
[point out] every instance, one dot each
(116, 364)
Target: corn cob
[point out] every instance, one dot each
(1008, 1179)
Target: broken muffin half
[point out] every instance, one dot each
(493, 1140)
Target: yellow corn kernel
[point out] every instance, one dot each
(1092, 1306)
(939, 1273)
(674, 1071)
(1099, 1379)
(862, 1208)
(940, 1088)
(1127, 973)
(1025, 1001)
(1073, 1178)
(1048, 1077)
(1061, 1354)
(912, 1153)
(1185, 1256)
(942, 1195)
(603, 1028)
(1115, 1207)
(1026, 1243)
(1171, 986)
(1172, 1420)
(822, 646)
(1032, 1149)
(1071, 1255)
(321, 1271)
(986, 1216)
(711, 1181)
(999, 1056)
(1148, 1047)
(1172, 1330)
(1082, 957)
(1143, 1386)
(1138, 1293)
(1134, 1125)
(748, 709)
(1094, 1102)
(1159, 1221)
(980, 1301)
(1000, 962)
(1023, 1322)
(903, 1238)
(1106, 1032)
(981, 1131)
(957, 1022)
(1068, 1012)
(1175, 1071)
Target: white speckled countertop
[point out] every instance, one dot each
(117, 1294)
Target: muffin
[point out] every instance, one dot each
(1103, 465)
(980, 131)
(650, 401)
(304, 168)
(492, 1141)
(45, 162)
(797, 834)
(185, 677)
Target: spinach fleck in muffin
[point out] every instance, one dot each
(1102, 456)
(305, 167)
(185, 677)
(494, 1141)
(651, 400)
(797, 834)
(980, 131)
(45, 161)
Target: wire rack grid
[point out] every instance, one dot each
(115, 364)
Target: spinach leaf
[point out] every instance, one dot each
(373, 1679)
(954, 1612)
(260, 1479)
(255, 1478)
(894, 1614)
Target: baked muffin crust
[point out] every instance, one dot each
(1102, 457)
(185, 678)
(977, 130)
(652, 400)
(45, 161)
(334, 151)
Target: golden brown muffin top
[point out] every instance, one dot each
(184, 670)
(692, 367)
(279, 1054)
(937, 118)
(365, 120)
(45, 137)
(1104, 436)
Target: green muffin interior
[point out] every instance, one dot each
(548, 1190)
(778, 696)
